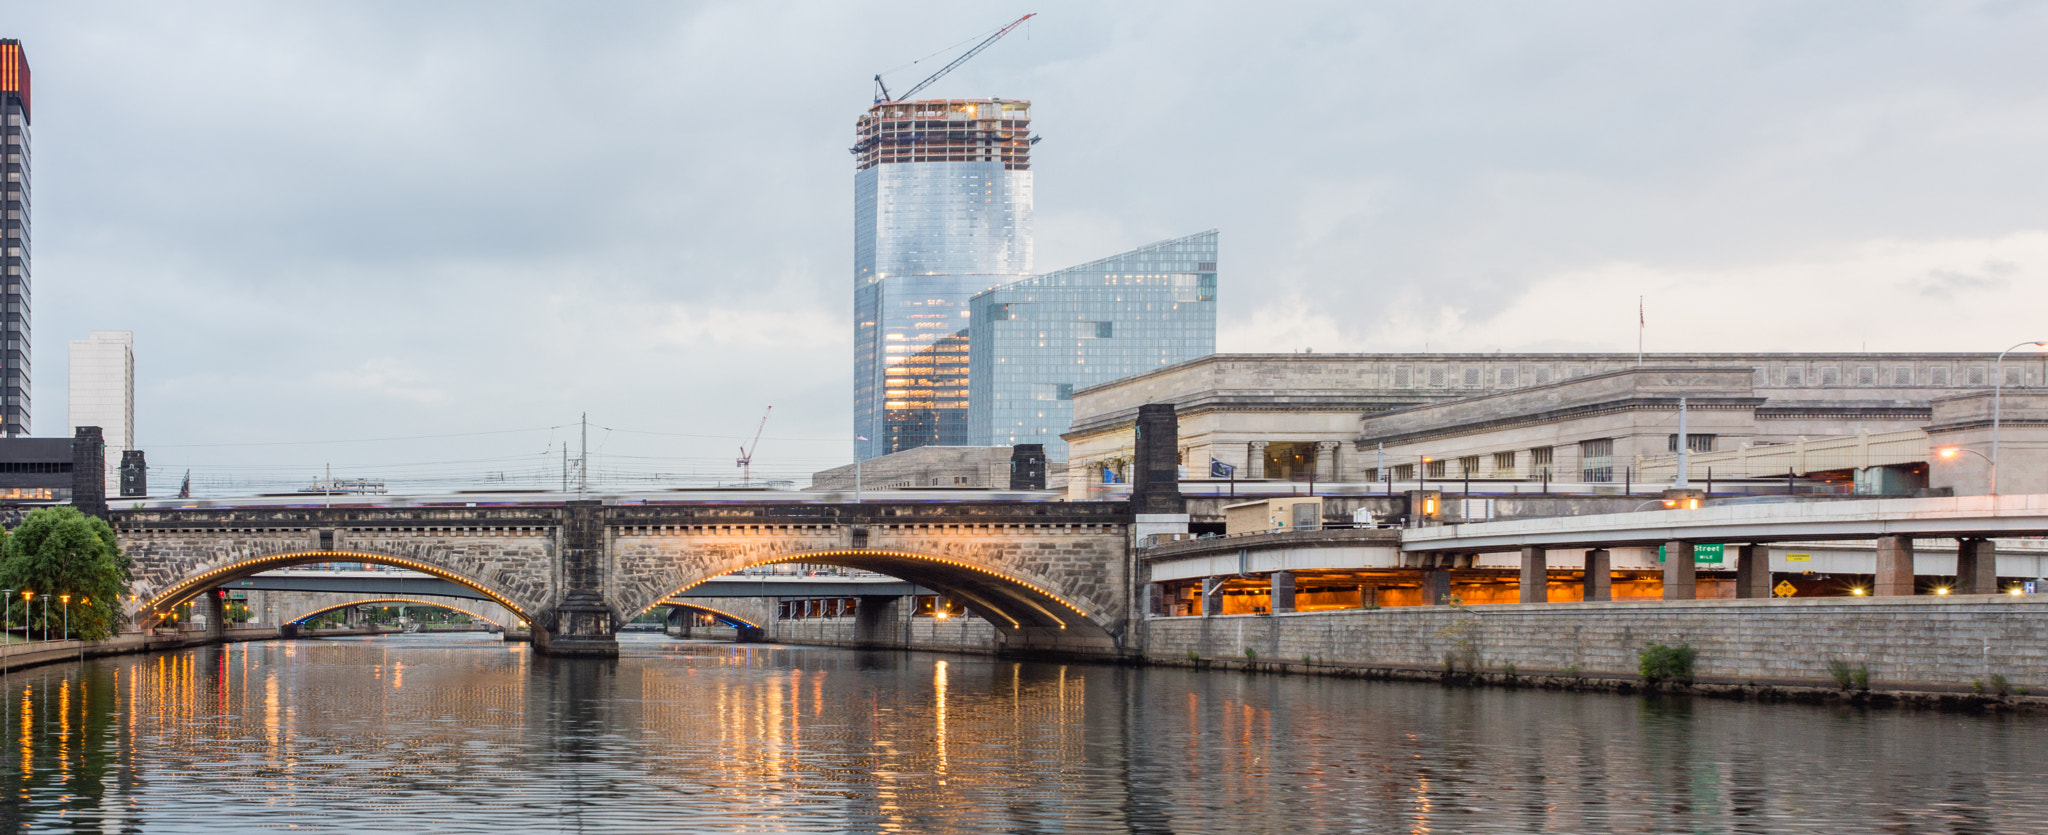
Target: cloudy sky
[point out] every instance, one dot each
(345, 222)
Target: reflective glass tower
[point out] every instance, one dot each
(14, 239)
(1033, 342)
(942, 211)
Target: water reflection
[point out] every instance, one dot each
(451, 734)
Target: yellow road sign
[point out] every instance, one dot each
(1784, 589)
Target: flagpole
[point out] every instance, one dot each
(1640, 321)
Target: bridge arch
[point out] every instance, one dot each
(1023, 607)
(728, 618)
(375, 601)
(149, 612)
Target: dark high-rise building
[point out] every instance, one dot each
(942, 211)
(14, 239)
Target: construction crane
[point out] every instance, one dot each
(882, 90)
(746, 463)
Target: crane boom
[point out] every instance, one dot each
(746, 462)
(882, 91)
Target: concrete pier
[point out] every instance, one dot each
(1894, 567)
(1599, 582)
(1976, 567)
(1535, 575)
(1753, 572)
(1679, 571)
(1283, 591)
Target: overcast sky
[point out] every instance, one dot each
(346, 221)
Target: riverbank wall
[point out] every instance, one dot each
(19, 656)
(1938, 644)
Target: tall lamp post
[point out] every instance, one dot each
(1998, 389)
(66, 600)
(7, 610)
(28, 600)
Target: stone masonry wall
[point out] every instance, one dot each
(1907, 643)
(970, 635)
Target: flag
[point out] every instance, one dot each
(1640, 319)
(1218, 469)
(860, 437)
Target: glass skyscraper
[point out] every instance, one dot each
(14, 239)
(942, 211)
(1033, 342)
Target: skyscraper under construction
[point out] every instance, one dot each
(942, 211)
(14, 239)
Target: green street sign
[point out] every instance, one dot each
(1700, 553)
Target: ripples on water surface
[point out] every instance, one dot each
(458, 734)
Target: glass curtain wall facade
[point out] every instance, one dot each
(942, 211)
(1032, 343)
(14, 239)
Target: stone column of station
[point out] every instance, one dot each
(1679, 571)
(1326, 460)
(1436, 586)
(1976, 566)
(1283, 592)
(1894, 567)
(1535, 575)
(216, 610)
(1255, 460)
(1599, 582)
(1212, 597)
(1753, 572)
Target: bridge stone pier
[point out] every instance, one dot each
(1053, 577)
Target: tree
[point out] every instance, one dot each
(58, 551)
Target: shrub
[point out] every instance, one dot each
(1251, 654)
(1571, 670)
(1508, 670)
(1659, 662)
(1848, 676)
(1977, 686)
(1194, 656)
(2000, 686)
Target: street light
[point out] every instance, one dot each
(1952, 451)
(67, 614)
(28, 599)
(6, 610)
(1997, 389)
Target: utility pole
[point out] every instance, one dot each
(583, 461)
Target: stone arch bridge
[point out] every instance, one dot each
(1051, 576)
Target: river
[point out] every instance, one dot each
(465, 734)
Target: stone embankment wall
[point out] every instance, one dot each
(1920, 643)
(972, 635)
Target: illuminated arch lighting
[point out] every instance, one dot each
(318, 612)
(179, 594)
(815, 556)
(719, 612)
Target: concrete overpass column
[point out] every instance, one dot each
(1753, 572)
(1212, 597)
(216, 613)
(1599, 583)
(1679, 571)
(1255, 460)
(1535, 575)
(1894, 566)
(1976, 567)
(1436, 586)
(1283, 592)
(874, 621)
(1326, 460)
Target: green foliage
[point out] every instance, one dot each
(1508, 670)
(1571, 671)
(2000, 686)
(1658, 662)
(58, 551)
(1848, 677)
(1977, 686)
(1194, 656)
(237, 611)
(1251, 654)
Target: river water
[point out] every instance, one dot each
(465, 734)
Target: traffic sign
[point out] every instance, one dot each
(1708, 552)
(1784, 589)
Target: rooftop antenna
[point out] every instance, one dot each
(746, 462)
(882, 90)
